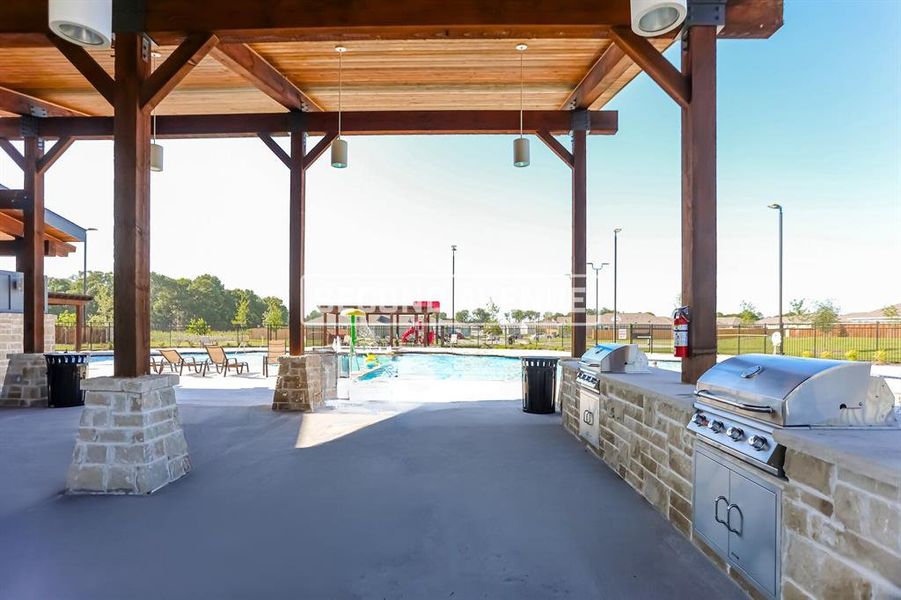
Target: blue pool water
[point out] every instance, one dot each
(446, 366)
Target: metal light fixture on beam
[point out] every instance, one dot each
(156, 150)
(656, 17)
(339, 145)
(87, 23)
(521, 144)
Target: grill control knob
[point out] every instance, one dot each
(716, 426)
(735, 433)
(758, 442)
(700, 420)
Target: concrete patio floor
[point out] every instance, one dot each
(444, 500)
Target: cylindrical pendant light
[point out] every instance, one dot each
(521, 144)
(83, 22)
(339, 146)
(656, 17)
(156, 151)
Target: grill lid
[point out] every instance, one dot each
(615, 358)
(786, 390)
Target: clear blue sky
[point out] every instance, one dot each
(807, 119)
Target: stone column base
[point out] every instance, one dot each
(129, 440)
(25, 383)
(299, 383)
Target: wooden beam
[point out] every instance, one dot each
(24, 22)
(13, 152)
(276, 149)
(417, 122)
(246, 62)
(699, 202)
(556, 147)
(175, 68)
(11, 226)
(653, 63)
(54, 154)
(320, 147)
(86, 65)
(610, 66)
(296, 243)
(23, 104)
(579, 266)
(131, 209)
(11, 247)
(32, 255)
(79, 326)
(14, 199)
(57, 248)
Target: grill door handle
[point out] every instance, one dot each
(716, 510)
(743, 405)
(741, 523)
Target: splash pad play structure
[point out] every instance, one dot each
(382, 325)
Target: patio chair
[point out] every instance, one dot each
(177, 362)
(274, 351)
(222, 362)
(156, 365)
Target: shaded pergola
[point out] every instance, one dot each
(268, 69)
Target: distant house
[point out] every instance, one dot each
(787, 321)
(873, 316)
(636, 318)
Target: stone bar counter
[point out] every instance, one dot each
(840, 498)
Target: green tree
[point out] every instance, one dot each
(890, 311)
(275, 312)
(102, 307)
(198, 326)
(463, 316)
(825, 315)
(314, 314)
(66, 319)
(749, 313)
(242, 311)
(798, 309)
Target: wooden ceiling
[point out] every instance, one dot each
(377, 75)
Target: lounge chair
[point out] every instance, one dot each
(275, 350)
(156, 365)
(177, 362)
(222, 362)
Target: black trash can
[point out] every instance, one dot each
(539, 374)
(64, 374)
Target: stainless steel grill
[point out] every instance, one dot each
(742, 400)
(610, 358)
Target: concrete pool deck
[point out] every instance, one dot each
(362, 500)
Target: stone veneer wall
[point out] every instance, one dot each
(305, 382)
(841, 531)
(12, 329)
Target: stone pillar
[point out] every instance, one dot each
(129, 440)
(299, 384)
(25, 382)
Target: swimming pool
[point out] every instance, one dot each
(445, 366)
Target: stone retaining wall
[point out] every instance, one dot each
(12, 330)
(841, 531)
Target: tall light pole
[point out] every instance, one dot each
(84, 274)
(453, 288)
(615, 257)
(597, 313)
(778, 207)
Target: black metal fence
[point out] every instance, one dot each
(876, 342)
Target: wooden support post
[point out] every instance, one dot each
(79, 326)
(579, 241)
(32, 254)
(296, 235)
(131, 208)
(391, 329)
(699, 200)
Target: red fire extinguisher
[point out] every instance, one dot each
(680, 332)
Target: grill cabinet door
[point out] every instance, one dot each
(753, 548)
(711, 482)
(589, 404)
